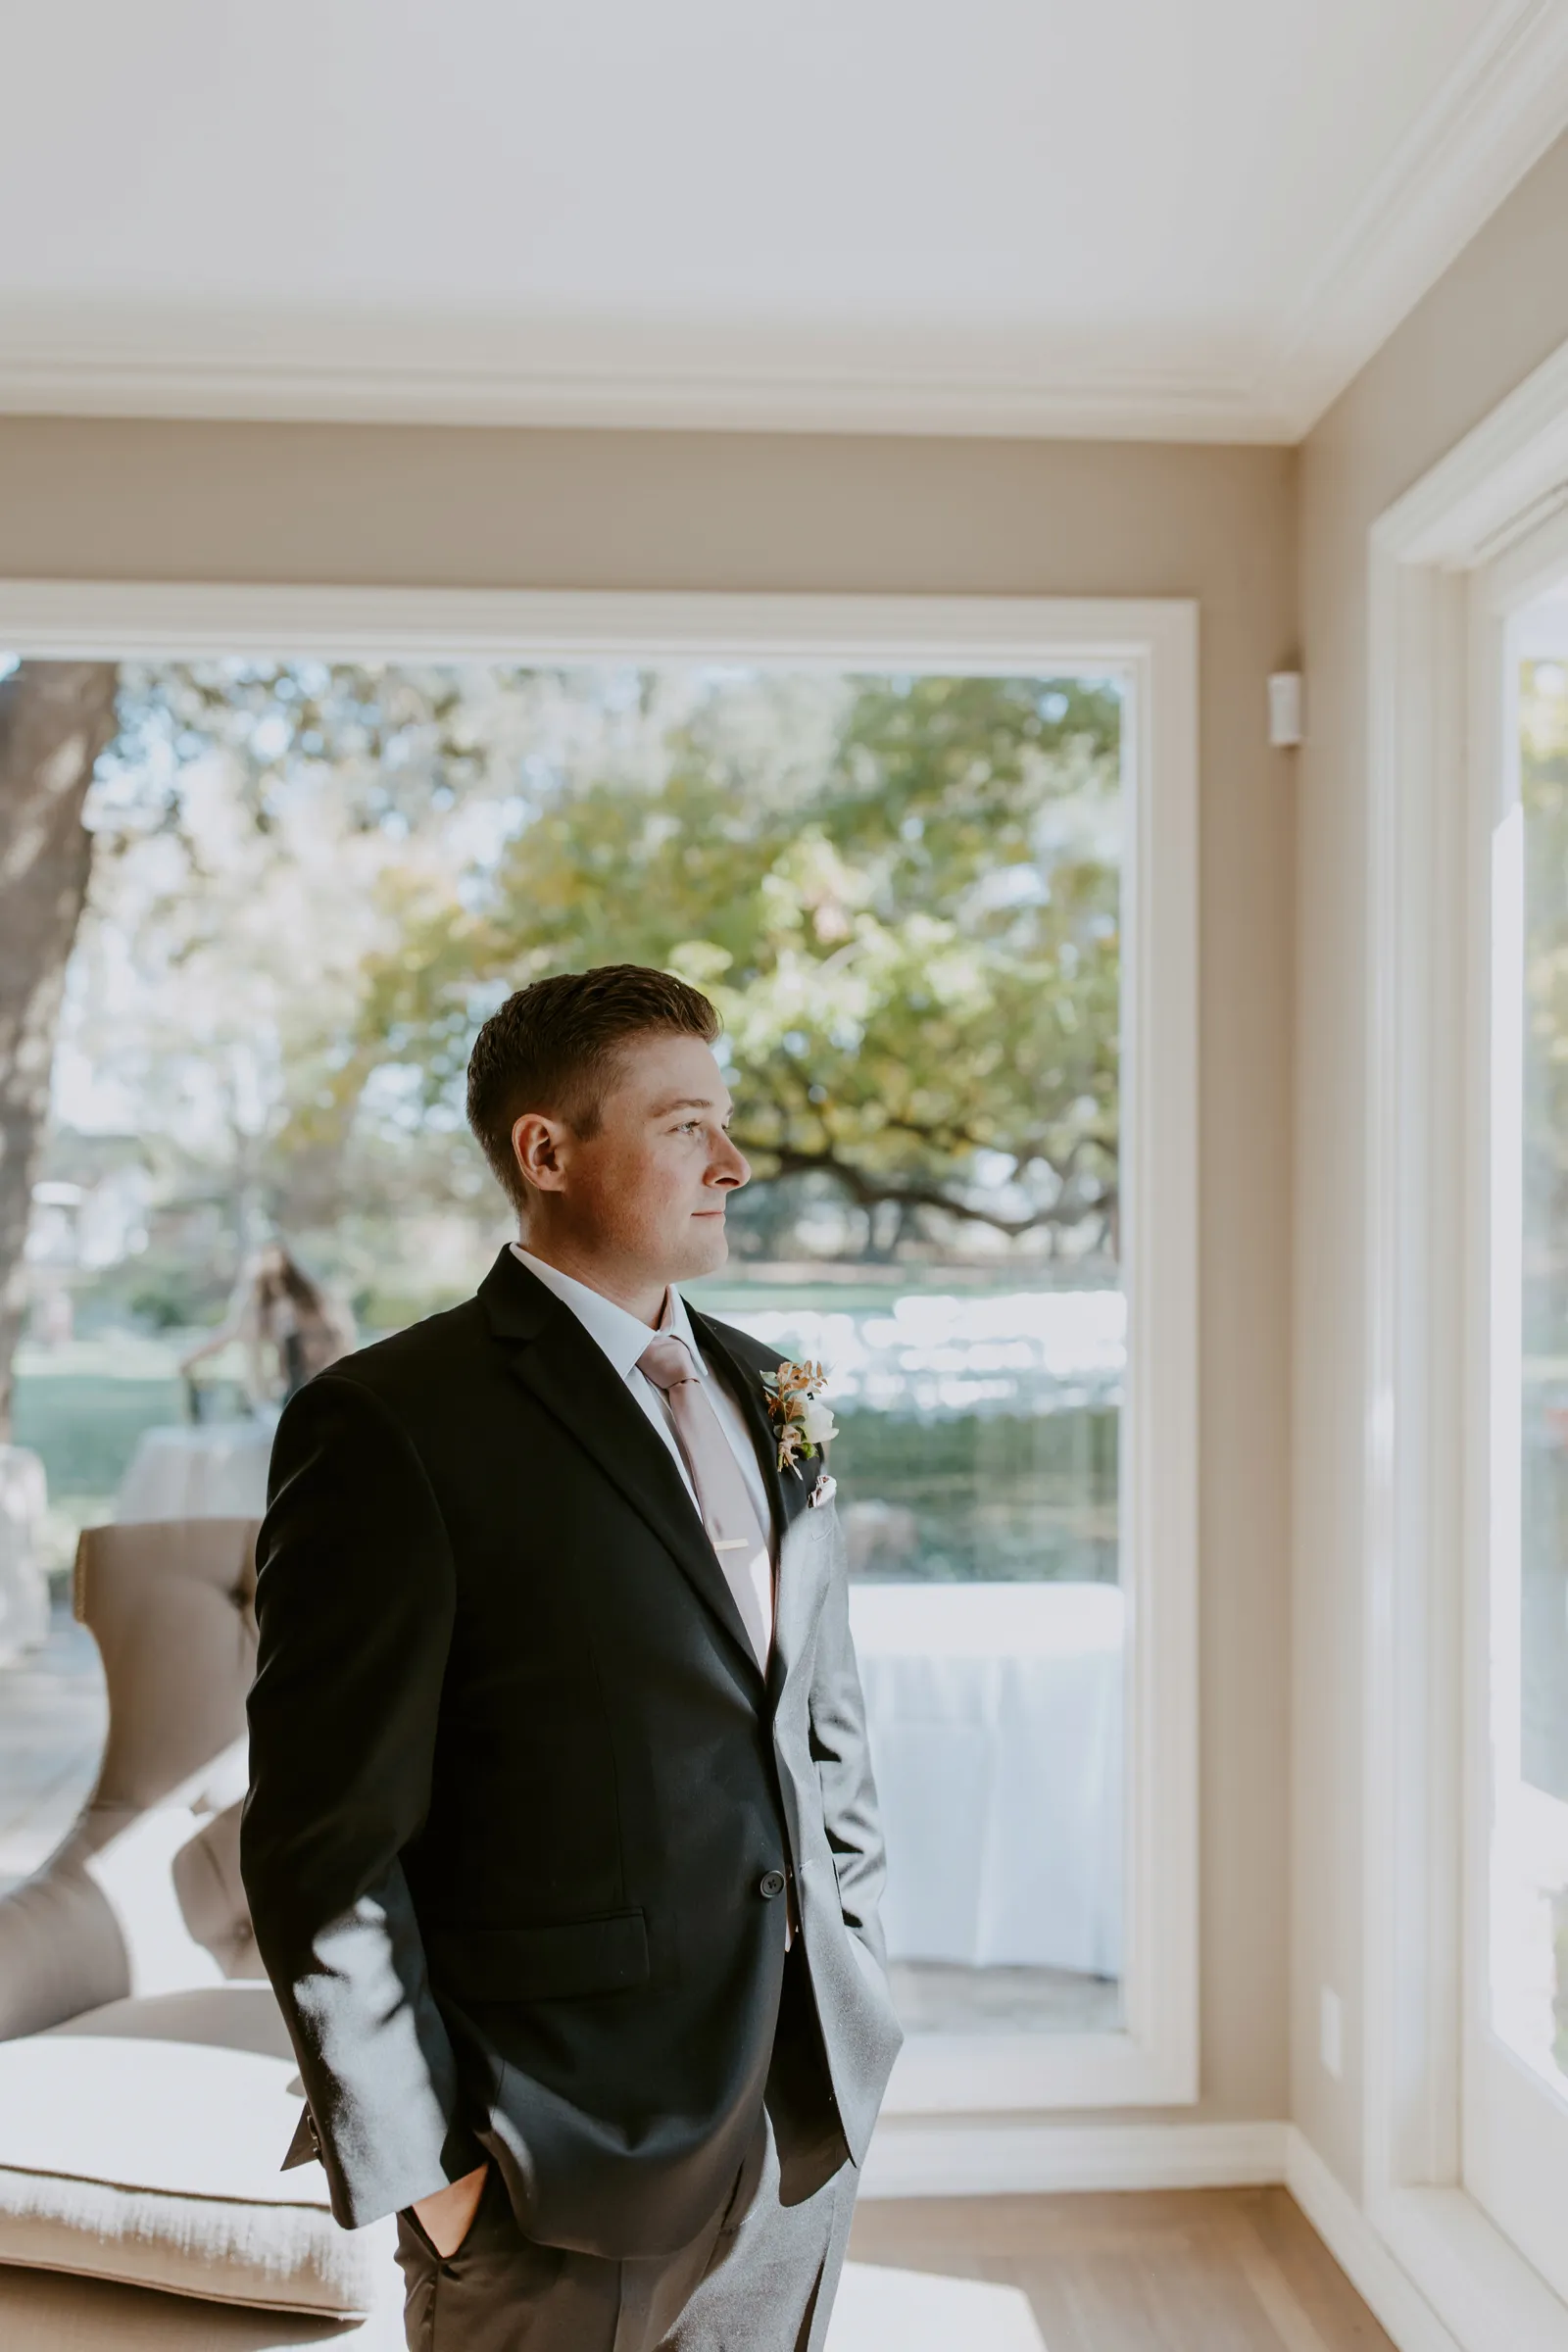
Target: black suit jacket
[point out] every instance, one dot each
(522, 1797)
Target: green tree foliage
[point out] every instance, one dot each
(313, 879)
(1543, 795)
(246, 818)
(913, 941)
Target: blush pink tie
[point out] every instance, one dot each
(727, 1510)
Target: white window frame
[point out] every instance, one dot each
(1152, 646)
(1424, 1379)
(1508, 2134)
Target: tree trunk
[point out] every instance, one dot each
(54, 718)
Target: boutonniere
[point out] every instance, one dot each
(801, 1420)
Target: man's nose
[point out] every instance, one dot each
(731, 1166)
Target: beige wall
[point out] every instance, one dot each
(1496, 314)
(482, 508)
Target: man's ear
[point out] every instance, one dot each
(536, 1147)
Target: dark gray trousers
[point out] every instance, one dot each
(761, 2278)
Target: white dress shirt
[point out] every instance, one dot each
(624, 1336)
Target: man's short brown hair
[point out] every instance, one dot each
(555, 1045)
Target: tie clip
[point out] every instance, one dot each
(732, 1542)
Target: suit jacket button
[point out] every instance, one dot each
(770, 1884)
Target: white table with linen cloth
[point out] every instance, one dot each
(996, 1716)
(212, 1470)
(24, 1582)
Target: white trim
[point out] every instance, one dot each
(1159, 1500)
(1515, 2121)
(1425, 1142)
(968, 2158)
(341, 371)
(1153, 646)
(1469, 2273)
(996, 634)
(1498, 110)
(1413, 1419)
(1491, 487)
(1361, 2254)
(1531, 561)
(1152, 2065)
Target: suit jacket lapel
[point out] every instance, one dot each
(556, 1361)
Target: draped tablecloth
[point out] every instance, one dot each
(23, 1584)
(215, 1470)
(996, 1719)
(995, 1714)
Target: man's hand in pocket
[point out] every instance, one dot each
(447, 2217)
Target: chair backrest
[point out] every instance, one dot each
(144, 1893)
(171, 1604)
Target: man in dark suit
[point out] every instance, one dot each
(562, 1844)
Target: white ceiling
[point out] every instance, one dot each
(1188, 217)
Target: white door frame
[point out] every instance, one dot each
(1152, 645)
(1425, 1018)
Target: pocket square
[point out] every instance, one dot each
(823, 1491)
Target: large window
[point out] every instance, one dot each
(935, 865)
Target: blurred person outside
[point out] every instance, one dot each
(289, 1328)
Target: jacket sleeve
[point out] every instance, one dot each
(844, 1762)
(355, 1603)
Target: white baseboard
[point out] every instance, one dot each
(1392, 2297)
(935, 2156)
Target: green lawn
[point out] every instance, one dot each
(996, 1496)
(82, 1408)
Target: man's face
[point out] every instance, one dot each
(646, 1191)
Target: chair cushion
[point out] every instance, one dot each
(136, 1902)
(142, 2143)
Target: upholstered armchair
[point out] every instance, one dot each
(147, 2088)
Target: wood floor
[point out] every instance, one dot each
(1212, 2271)
(1181, 2271)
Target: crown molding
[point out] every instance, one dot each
(421, 370)
(1497, 114)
